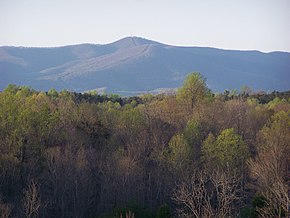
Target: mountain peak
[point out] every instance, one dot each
(132, 41)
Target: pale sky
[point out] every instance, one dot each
(230, 24)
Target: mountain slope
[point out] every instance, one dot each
(134, 64)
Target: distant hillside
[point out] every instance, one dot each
(133, 65)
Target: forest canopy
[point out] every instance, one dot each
(190, 153)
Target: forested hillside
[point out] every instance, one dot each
(190, 153)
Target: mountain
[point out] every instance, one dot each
(132, 65)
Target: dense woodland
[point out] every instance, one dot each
(189, 153)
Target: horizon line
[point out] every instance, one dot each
(140, 37)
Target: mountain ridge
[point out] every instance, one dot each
(141, 39)
(134, 64)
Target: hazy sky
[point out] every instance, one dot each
(231, 24)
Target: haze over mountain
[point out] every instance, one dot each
(132, 65)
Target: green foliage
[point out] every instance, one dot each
(193, 136)
(192, 132)
(259, 201)
(252, 102)
(65, 94)
(130, 118)
(178, 152)
(271, 165)
(89, 152)
(163, 211)
(194, 90)
(93, 92)
(136, 209)
(114, 96)
(276, 132)
(52, 93)
(227, 150)
(248, 212)
(12, 88)
(209, 148)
